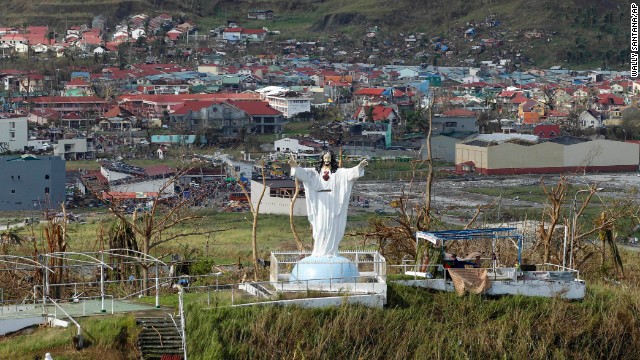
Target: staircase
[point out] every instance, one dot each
(158, 337)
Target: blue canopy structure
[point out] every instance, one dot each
(493, 234)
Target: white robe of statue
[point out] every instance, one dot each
(327, 203)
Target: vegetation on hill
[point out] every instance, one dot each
(541, 33)
(417, 324)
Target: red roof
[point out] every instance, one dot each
(519, 99)
(72, 116)
(158, 170)
(77, 82)
(193, 106)
(608, 99)
(531, 118)
(376, 92)
(254, 31)
(255, 107)
(459, 113)
(476, 84)
(67, 99)
(380, 112)
(233, 30)
(546, 131)
(172, 98)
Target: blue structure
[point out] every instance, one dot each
(325, 269)
(440, 237)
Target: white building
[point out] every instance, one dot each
(74, 149)
(277, 197)
(296, 145)
(14, 133)
(289, 103)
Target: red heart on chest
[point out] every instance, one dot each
(326, 176)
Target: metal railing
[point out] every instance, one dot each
(79, 334)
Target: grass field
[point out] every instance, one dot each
(415, 324)
(274, 233)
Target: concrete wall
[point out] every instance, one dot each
(601, 153)
(510, 156)
(276, 205)
(373, 301)
(145, 186)
(550, 157)
(288, 144)
(26, 180)
(477, 154)
(442, 147)
(13, 134)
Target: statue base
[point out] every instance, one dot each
(325, 269)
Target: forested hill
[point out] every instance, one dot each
(543, 32)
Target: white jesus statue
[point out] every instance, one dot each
(328, 189)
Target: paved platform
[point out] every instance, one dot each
(79, 309)
(16, 317)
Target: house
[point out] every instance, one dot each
(236, 34)
(611, 108)
(221, 118)
(590, 119)
(455, 121)
(264, 118)
(78, 87)
(546, 130)
(75, 149)
(531, 106)
(260, 14)
(376, 113)
(32, 182)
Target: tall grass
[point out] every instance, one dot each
(109, 337)
(423, 325)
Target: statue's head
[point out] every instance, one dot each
(327, 158)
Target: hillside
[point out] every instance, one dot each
(543, 32)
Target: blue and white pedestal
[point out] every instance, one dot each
(325, 269)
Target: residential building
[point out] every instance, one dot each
(260, 14)
(75, 149)
(70, 104)
(590, 119)
(264, 118)
(376, 113)
(221, 117)
(462, 121)
(32, 183)
(289, 103)
(14, 133)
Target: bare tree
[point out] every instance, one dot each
(296, 237)
(255, 211)
(165, 220)
(551, 215)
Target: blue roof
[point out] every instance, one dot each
(469, 234)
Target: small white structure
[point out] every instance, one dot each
(277, 197)
(371, 266)
(296, 145)
(13, 134)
